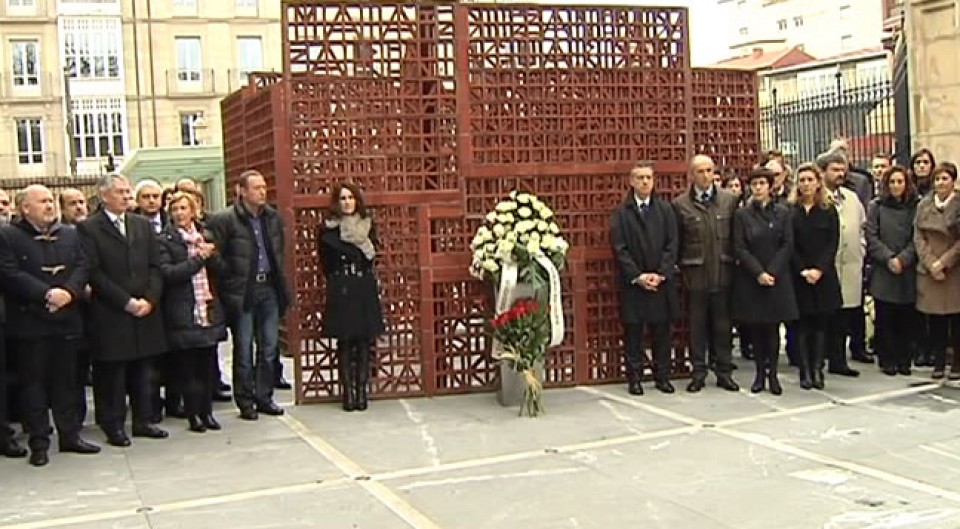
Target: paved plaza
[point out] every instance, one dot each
(875, 452)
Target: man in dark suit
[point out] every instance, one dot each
(705, 220)
(643, 233)
(44, 271)
(126, 330)
(8, 445)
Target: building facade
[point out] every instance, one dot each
(94, 80)
(822, 28)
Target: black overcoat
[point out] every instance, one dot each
(123, 267)
(763, 242)
(646, 243)
(353, 308)
(816, 238)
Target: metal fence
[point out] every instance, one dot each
(803, 126)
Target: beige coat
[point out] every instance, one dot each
(852, 248)
(936, 238)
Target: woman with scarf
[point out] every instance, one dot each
(193, 315)
(353, 314)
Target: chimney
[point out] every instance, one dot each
(757, 53)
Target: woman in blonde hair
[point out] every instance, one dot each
(816, 236)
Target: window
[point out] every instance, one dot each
(25, 68)
(29, 141)
(744, 31)
(98, 127)
(246, 4)
(185, 3)
(188, 58)
(846, 42)
(249, 55)
(797, 22)
(189, 122)
(782, 24)
(21, 3)
(845, 12)
(91, 47)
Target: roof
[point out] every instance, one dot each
(203, 163)
(876, 52)
(763, 60)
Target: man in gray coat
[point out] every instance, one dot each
(704, 221)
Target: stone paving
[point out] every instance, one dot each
(877, 452)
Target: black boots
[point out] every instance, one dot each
(362, 373)
(760, 378)
(348, 398)
(772, 373)
(354, 371)
(803, 360)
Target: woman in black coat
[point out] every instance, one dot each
(763, 295)
(816, 237)
(893, 283)
(194, 317)
(353, 314)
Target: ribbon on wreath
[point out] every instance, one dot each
(509, 274)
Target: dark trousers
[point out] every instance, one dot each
(710, 325)
(163, 374)
(944, 330)
(112, 382)
(765, 338)
(83, 375)
(12, 379)
(48, 379)
(837, 330)
(4, 424)
(194, 380)
(661, 350)
(922, 346)
(896, 327)
(857, 330)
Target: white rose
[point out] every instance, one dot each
(524, 212)
(523, 198)
(478, 255)
(522, 226)
(534, 236)
(511, 236)
(499, 230)
(542, 226)
(561, 245)
(513, 194)
(548, 241)
(501, 218)
(546, 213)
(490, 265)
(506, 205)
(523, 238)
(484, 233)
(489, 247)
(554, 229)
(533, 246)
(477, 241)
(492, 217)
(510, 218)
(537, 205)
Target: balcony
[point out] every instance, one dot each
(37, 165)
(37, 10)
(191, 82)
(21, 88)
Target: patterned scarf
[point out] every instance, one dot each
(356, 231)
(201, 285)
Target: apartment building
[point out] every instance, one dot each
(822, 28)
(126, 74)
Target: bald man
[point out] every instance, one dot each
(43, 270)
(705, 222)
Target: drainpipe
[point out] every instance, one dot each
(153, 82)
(136, 70)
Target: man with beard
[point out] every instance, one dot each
(44, 270)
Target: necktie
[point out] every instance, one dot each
(643, 208)
(156, 225)
(705, 197)
(121, 227)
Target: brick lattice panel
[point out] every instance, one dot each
(438, 110)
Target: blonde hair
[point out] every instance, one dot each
(821, 197)
(184, 195)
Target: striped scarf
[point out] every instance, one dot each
(201, 285)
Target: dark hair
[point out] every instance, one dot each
(245, 177)
(334, 212)
(759, 173)
(945, 167)
(923, 151)
(642, 164)
(911, 189)
(882, 155)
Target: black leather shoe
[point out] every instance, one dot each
(665, 386)
(281, 383)
(223, 387)
(844, 371)
(12, 449)
(726, 382)
(634, 388)
(221, 396)
(862, 358)
(150, 431)
(196, 425)
(210, 422)
(905, 371)
(248, 414)
(270, 408)
(79, 446)
(695, 385)
(39, 458)
(889, 371)
(117, 438)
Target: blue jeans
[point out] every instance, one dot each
(253, 384)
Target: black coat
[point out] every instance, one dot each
(123, 267)
(816, 238)
(183, 332)
(236, 242)
(889, 233)
(352, 307)
(646, 243)
(861, 183)
(763, 242)
(30, 265)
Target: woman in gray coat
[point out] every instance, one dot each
(893, 282)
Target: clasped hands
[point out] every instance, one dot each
(812, 275)
(649, 281)
(138, 307)
(938, 271)
(57, 298)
